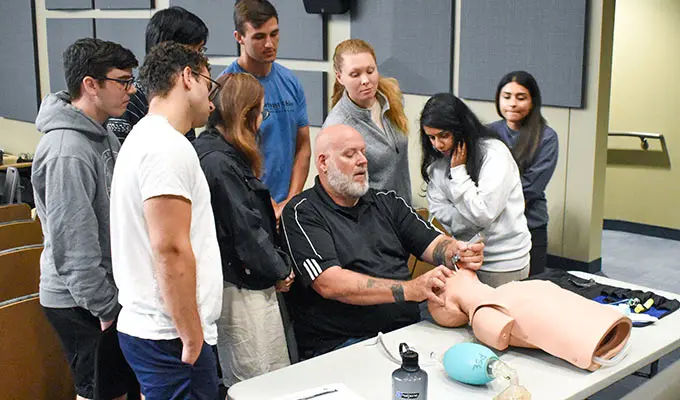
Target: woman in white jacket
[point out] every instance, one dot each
(474, 186)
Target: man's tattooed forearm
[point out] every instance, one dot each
(397, 289)
(439, 253)
(370, 283)
(398, 293)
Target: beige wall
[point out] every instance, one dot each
(574, 194)
(644, 186)
(18, 137)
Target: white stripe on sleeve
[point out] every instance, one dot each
(302, 230)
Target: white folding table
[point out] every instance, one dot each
(367, 370)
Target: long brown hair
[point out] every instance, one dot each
(387, 86)
(533, 124)
(237, 108)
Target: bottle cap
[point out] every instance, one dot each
(409, 358)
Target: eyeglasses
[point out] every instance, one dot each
(125, 82)
(265, 114)
(214, 88)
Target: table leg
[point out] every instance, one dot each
(653, 370)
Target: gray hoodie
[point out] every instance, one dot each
(72, 171)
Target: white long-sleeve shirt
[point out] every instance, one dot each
(495, 206)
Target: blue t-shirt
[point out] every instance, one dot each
(284, 98)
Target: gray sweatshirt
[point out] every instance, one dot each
(386, 150)
(72, 171)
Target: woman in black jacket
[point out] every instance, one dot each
(251, 338)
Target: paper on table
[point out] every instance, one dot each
(334, 391)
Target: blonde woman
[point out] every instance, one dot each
(372, 105)
(251, 338)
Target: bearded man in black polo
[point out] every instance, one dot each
(350, 246)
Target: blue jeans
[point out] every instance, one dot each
(161, 373)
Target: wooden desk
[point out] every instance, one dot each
(10, 160)
(366, 370)
(34, 363)
(3, 167)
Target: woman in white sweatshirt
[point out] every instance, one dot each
(474, 186)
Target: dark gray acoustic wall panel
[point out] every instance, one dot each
(68, 4)
(129, 33)
(314, 84)
(218, 16)
(18, 74)
(61, 33)
(302, 35)
(122, 4)
(543, 37)
(413, 41)
(216, 70)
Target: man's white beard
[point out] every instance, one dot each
(344, 184)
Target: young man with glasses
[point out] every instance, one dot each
(166, 259)
(171, 24)
(213, 88)
(72, 171)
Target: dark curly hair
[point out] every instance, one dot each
(95, 58)
(163, 63)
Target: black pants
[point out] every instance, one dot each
(539, 249)
(97, 364)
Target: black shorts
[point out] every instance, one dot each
(97, 364)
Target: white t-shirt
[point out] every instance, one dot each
(158, 160)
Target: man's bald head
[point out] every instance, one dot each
(340, 156)
(333, 137)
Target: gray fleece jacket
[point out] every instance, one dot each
(72, 170)
(386, 149)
